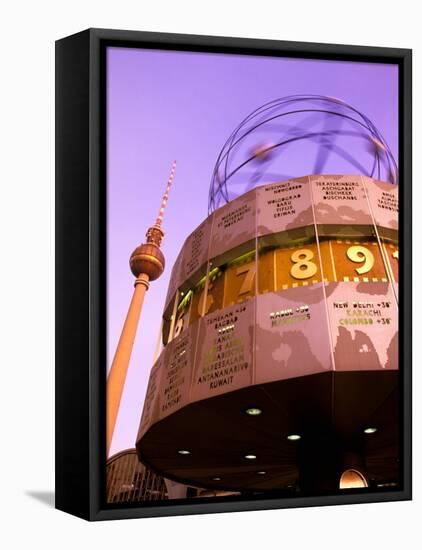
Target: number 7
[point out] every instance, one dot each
(247, 284)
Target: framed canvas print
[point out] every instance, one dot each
(231, 329)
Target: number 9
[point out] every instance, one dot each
(361, 254)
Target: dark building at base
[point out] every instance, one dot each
(130, 481)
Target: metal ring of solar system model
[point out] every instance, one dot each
(328, 125)
(280, 337)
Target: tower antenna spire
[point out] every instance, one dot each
(166, 195)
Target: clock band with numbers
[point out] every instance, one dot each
(288, 282)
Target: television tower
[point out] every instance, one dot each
(147, 264)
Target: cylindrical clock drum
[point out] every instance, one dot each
(279, 367)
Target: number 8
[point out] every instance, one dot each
(303, 268)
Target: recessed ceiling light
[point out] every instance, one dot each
(370, 430)
(294, 437)
(250, 457)
(216, 478)
(183, 452)
(261, 472)
(253, 411)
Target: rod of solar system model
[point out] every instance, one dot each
(147, 264)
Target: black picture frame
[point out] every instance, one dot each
(81, 255)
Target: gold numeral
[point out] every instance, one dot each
(247, 284)
(179, 326)
(396, 255)
(359, 254)
(303, 268)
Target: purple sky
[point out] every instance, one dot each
(163, 106)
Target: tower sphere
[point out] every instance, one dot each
(147, 258)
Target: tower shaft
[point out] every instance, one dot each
(117, 376)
